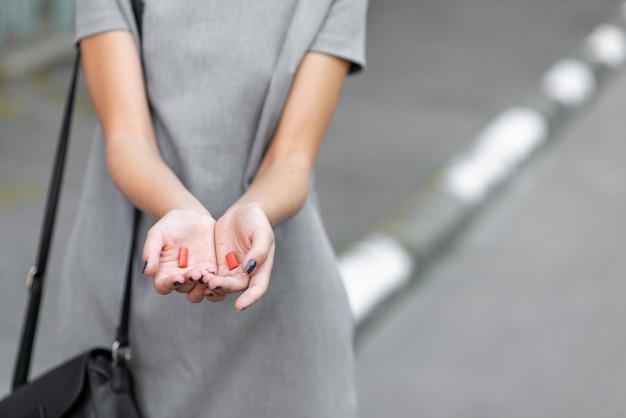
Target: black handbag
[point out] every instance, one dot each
(98, 382)
(94, 384)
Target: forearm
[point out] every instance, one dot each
(115, 81)
(280, 190)
(142, 176)
(281, 185)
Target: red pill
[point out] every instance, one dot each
(231, 259)
(183, 257)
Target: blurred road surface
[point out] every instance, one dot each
(525, 315)
(439, 70)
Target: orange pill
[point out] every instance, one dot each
(231, 259)
(183, 257)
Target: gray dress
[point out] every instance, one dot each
(217, 74)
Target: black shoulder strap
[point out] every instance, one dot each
(36, 273)
(138, 12)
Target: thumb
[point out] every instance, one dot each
(262, 243)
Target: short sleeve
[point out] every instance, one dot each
(97, 16)
(343, 32)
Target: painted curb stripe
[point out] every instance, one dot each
(607, 45)
(374, 268)
(506, 142)
(570, 82)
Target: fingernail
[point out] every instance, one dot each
(242, 309)
(250, 266)
(145, 265)
(177, 283)
(209, 296)
(217, 288)
(192, 280)
(200, 279)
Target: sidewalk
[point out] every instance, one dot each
(524, 317)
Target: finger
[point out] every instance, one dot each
(255, 291)
(204, 272)
(213, 291)
(196, 294)
(262, 246)
(213, 296)
(189, 280)
(206, 276)
(237, 281)
(258, 284)
(184, 287)
(151, 251)
(193, 276)
(165, 284)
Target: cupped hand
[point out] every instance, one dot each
(246, 231)
(191, 228)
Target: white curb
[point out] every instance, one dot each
(378, 266)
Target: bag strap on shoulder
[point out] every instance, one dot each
(36, 273)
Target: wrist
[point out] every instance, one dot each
(179, 199)
(194, 209)
(242, 206)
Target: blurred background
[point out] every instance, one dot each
(23, 22)
(521, 316)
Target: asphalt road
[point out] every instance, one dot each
(438, 71)
(524, 317)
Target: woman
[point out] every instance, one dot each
(215, 141)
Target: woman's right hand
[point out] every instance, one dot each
(191, 228)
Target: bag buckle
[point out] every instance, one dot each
(119, 352)
(30, 278)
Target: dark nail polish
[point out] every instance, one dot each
(210, 296)
(200, 279)
(192, 280)
(143, 271)
(177, 283)
(250, 266)
(217, 288)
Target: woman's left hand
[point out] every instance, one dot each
(246, 231)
